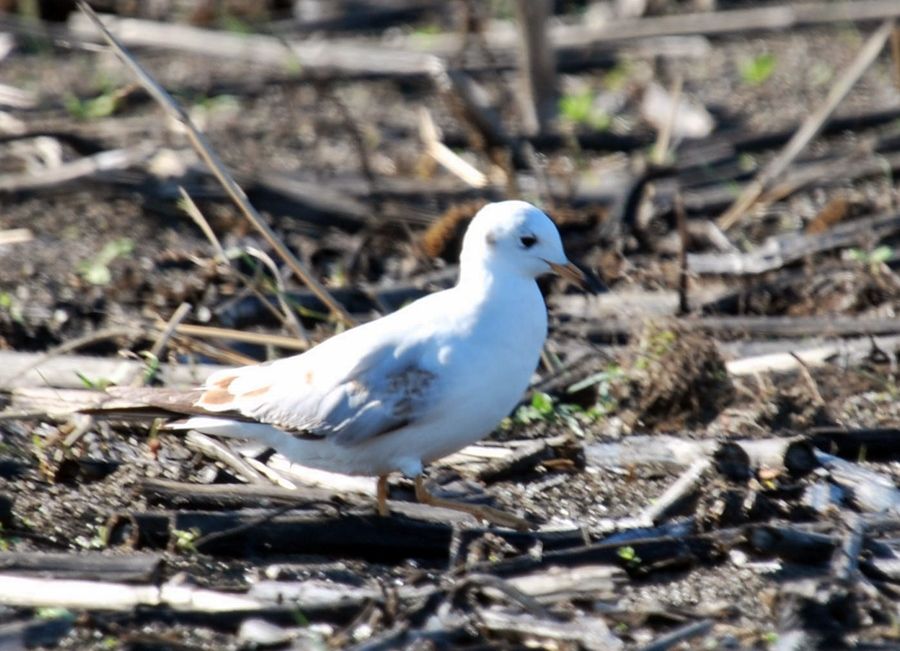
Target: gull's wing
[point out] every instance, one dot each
(355, 386)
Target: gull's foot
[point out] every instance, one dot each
(487, 513)
(382, 492)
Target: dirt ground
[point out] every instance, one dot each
(112, 253)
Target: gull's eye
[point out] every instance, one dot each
(528, 241)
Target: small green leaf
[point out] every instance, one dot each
(578, 108)
(97, 274)
(54, 613)
(96, 270)
(542, 403)
(881, 254)
(627, 554)
(758, 69)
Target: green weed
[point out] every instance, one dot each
(578, 109)
(757, 70)
(96, 270)
(185, 541)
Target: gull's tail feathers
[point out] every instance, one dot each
(144, 403)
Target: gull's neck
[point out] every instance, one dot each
(493, 281)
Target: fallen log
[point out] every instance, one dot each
(323, 532)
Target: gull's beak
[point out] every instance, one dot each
(571, 273)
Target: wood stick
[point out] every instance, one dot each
(353, 57)
(686, 485)
(140, 567)
(219, 451)
(181, 312)
(559, 584)
(262, 338)
(28, 592)
(218, 496)
(810, 127)
(583, 631)
(78, 169)
(779, 251)
(15, 236)
(725, 327)
(448, 158)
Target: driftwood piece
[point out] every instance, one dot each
(563, 584)
(782, 250)
(88, 566)
(676, 453)
(799, 354)
(679, 492)
(329, 596)
(587, 632)
(523, 458)
(28, 592)
(870, 491)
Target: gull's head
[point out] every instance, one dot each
(516, 237)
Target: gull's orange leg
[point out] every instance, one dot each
(382, 495)
(492, 515)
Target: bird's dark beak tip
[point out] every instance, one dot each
(573, 274)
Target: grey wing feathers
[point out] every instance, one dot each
(383, 390)
(367, 407)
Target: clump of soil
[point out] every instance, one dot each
(676, 377)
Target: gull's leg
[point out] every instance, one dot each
(382, 495)
(492, 515)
